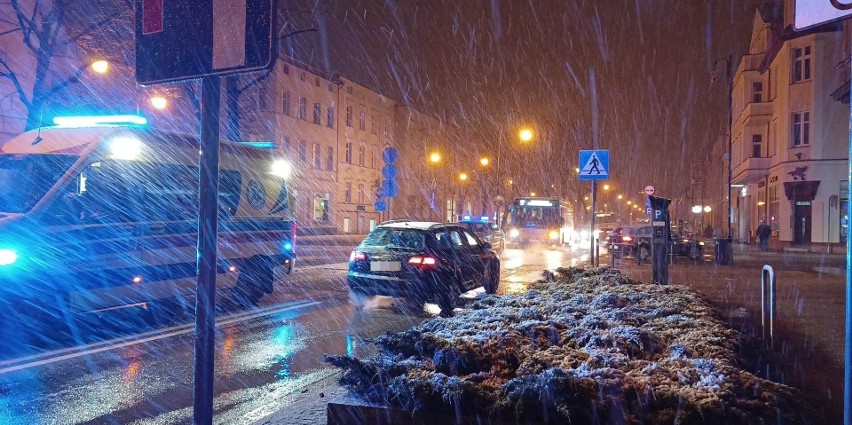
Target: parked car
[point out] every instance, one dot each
(635, 241)
(422, 262)
(488, 232)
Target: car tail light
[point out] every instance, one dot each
(357, 256)
(626, 238)
(422, 260)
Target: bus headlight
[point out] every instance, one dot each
(554, 234)
(514, 233)
(8, 257)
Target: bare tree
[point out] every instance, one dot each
(51, 32)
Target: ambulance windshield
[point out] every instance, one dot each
(24, 179)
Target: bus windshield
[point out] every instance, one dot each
(24, 179)
(535, 216)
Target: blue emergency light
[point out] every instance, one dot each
(99, 120)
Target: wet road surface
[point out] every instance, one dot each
(264, 355)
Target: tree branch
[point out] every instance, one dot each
(10, 75)
(61, 86)
(27, 26)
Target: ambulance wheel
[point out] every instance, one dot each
(255, 280)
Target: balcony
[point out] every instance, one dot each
(751, 170)
(755, 114)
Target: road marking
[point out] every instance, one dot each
(98, 347)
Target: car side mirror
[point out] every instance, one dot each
(486, 245)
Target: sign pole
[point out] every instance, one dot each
(205, 300)
(592, 225)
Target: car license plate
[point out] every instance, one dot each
(385, 266)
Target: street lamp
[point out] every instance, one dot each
(526, 135)
(435, 157)
(606, 187)
(159, 102)
(100, 66)
(620, 197)
(728, 134)
(463, 177)
(484, 162)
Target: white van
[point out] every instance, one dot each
(105, 217)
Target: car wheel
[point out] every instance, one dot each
(644, 252)
(491, 279)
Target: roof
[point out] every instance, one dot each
(419, 225)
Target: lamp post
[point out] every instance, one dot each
(730, 138)
(434, 161)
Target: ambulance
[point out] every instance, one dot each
(96, 215)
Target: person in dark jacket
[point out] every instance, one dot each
(763, 232)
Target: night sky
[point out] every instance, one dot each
(475, 62)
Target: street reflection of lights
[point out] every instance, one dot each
(516, 287)
(553, 259)
(132, 370)
(514, 258)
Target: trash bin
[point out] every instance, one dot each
(724, 251)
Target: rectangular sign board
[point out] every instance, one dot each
(186, 39)
(810, 13)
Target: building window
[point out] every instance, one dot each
(303, 151)
(756, 141)
(372, 157)
(362, 120)
(286, 69)
(844, 210)
(373, 126)
(774, 204)
(303, 108)
(757, 92)
(348, 152)
(330, 117)
(286, 146)
(285, 106)
(316, 81)
(317, 156)
(801, 64)
(317, 113)
(361, 193)
(801, 128)
(347, 193)
(361, 155)
(322, 208)
(329, 159)
(349, 116)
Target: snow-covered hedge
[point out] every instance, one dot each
(594, 346)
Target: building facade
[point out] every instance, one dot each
(789, 136)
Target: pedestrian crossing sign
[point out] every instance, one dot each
(594, 165)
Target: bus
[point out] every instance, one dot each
(541, 219)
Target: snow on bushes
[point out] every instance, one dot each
(593, 346)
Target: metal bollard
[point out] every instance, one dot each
(597, 252)
(767, 288)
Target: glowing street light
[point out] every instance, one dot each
(525, 134)
(159, 102)
(100, 66)
(463, 177)
(620, 197)
(629, 202)
(435, 157)
(707, 208)
(606, 187)
(484, 162)
(532, 193)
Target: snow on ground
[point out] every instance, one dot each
(593, 346)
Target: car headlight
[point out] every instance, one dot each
(8, 257)
(514, 233)
(554, 234)
(701, 243)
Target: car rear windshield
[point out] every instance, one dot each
(390, 237)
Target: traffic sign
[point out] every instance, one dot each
(810, 13)
(594, 165)
(648, 210)
(380, 205)
(390, 188)
(389, 155)
(389, 171)
(185, 39)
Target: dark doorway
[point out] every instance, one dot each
(802, 222)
